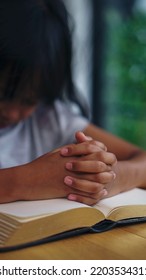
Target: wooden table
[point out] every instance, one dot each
(121, 243)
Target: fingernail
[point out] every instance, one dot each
(68, 181)
(69, 165)
(89, 138)
(72, 197)
(64, 151)
(114, 174)
(104, 192)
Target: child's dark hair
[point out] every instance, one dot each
(35, 50)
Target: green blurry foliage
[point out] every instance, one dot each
(125, 98)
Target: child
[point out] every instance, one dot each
(39, 158)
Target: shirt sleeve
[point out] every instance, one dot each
(69, 122)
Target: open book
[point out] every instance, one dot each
(26, 223)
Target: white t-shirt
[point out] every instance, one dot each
(45, 130)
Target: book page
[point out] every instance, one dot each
(27, 209)
(133, 197)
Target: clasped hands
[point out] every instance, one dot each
(93, 166)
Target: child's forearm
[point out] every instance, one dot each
(10, 187)
(129, 174)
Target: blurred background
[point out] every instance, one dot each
(110, 63)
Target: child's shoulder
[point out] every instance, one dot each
(58, 107)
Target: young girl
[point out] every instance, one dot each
(41, 153)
